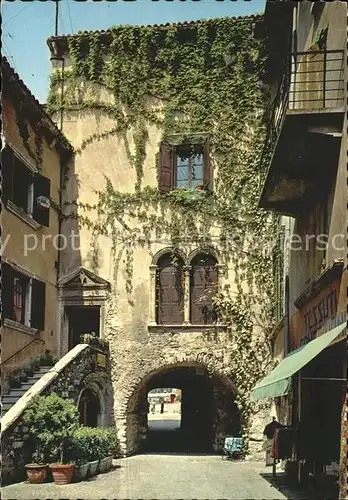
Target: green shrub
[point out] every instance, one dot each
(46, 359)
(51, 421)
(15, 380)
(89, 444)
(29, 370)
(23, 376)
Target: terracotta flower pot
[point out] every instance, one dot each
(36, 473)
(62, 473)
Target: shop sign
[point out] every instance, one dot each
(317, 314)
(101, 360)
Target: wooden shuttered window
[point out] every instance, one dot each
(204, 280)
(41, 188)
(166, 167)
(9, 278)
(38, 303)
(7, 291)
(169, 292)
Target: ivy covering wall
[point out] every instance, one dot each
(202, 77)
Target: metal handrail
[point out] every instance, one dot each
(22, 349)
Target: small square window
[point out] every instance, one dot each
(185, 166)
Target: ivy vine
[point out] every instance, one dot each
(199, 78)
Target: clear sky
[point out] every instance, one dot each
(27, 25)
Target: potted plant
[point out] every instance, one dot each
(37, 471)
(52, 420)
(15, 380)
(80, 455)
(105, 462)
(29, 371)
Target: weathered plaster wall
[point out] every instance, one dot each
(39, 262)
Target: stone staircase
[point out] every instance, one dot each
(8, 400)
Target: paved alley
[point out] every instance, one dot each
(163, 476)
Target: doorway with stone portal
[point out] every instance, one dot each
(208, 411)
(89, 408)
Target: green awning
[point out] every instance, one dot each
(278, 382)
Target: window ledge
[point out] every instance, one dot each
(22, 215)
(186, 328)
(9, 323)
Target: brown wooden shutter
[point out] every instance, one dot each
(38, 304)
(166, 167)
(207, 170)
(7, 290)
(170, 304)
(7, 174)
(41, 188)
(204, 279)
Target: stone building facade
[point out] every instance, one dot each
(306, 186)
(153, 341)
(33, 158)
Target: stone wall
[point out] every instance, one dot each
(134, 364)
(80, 373)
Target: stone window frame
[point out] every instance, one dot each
(187, 259)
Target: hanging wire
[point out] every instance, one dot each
(9, 53)
(20, 12)
(61, 19)
(71, 25)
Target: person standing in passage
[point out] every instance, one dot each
(162, 405)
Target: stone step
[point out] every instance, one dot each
(26, 385)
(43, 369)
(6, 406)
(17, 392)
(34, 378)
(9, 399)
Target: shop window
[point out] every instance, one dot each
(24, 188)
(23, 298)
(185, 166)
(169, 291)
(204, 280)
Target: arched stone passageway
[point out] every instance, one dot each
(208, 411)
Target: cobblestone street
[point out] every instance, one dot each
(164, 476)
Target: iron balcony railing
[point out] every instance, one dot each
(311, 80)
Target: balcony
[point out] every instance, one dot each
(305, 129)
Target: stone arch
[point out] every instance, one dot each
(100, 385)
(206, 249)
(220, 396)
(164, 251)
